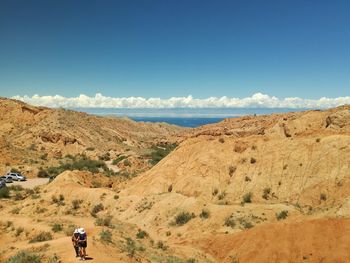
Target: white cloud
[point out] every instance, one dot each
(256, 100)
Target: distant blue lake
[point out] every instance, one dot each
(186, 117)
(185, 122)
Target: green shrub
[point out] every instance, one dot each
(59, 201)
(161, 245)
(183, 218)
(130, 246)
(97, 208)
(118, 159)
(231, 170)
(104, 221)
(266, 193)
(18, 196)
(127, 162)
(141, 234)
(43, 174)
(230, 222)
(204, 214)
(159, 151)
(56, 227)
(221, 195)
(105, 157)
(323, 197)
(41, 237)
(81, 164)
(16, 188)
(247, 198)
(106, 236)
(76, 203)
(4, 192)
(282, 215)
(19, 231)
(246, 224)
(24, 257)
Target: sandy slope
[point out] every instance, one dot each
(293, 162)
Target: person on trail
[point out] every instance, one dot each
(75, 239)
(82, 243)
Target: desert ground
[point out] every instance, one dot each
(270, 188)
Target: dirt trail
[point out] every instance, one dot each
(31, 183)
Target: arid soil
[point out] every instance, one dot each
(270, 188)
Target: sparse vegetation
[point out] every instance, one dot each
(230, 222)
(252, 160)
(105, 157)
(81, 163)
(323, 197)
(24, 257)
(130, 246)
(247, 198)
(43, 173)
(246, 224)
(96, 184)
(97, 208)
(159, 151)
(141, 234)
(4, 192)
(247, 179)
(104, 221)
(222, 195)
(204, 214)
(266, 193)
(41, 237)
(161, 245)
(222, 140)
(231, 170)
(282, 215)
(18, 196)
(215, 191)
(44, 157)
(106, 236)
(76, 203)
(118, 159)
(56, 228)
(58, 201)
(170, 188)
(19, 231)
(183, 218)
(126, 162)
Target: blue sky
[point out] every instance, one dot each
(175, 48)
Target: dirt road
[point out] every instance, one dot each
(31, 183)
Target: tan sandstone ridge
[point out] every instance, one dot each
(296, 164)
(33, 137)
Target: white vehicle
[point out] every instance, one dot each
(17, 177)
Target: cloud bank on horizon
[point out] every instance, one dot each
(257, 100)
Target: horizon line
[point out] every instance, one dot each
(257, 100)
